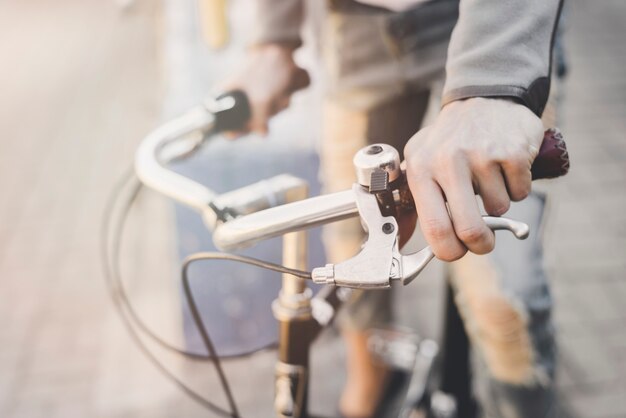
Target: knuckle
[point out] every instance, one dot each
(517, 160)
(436, 229)
(520, 193)
(415, 143)
(449, 156)
(521, 160)
(417, 168)
(473, 235)
(484, 248)
(416, 178)
(497, 208)
(448, 253)
(415, 163)
(482, 164)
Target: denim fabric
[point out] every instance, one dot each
(516, 361)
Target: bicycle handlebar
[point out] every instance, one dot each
(150, 163)
(280, 220)
(552, 161)
(271, 218)
(229, 111)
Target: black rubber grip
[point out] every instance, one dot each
(232, 111)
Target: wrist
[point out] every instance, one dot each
(475, 103)
(275, 47)
(488, 115)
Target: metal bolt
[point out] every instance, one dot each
(374, 149)
(388, 228)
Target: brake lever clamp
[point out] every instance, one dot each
(372, 266)
(380, 262)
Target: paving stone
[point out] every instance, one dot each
(589, 359)
(608, 403)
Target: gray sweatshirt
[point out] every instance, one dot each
(499, 48)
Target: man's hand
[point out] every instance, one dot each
(269, 77)
(478, 145)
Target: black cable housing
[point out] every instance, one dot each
(110, 252)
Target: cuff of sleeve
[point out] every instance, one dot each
(278, 22)
(535, 97)
(273, 36)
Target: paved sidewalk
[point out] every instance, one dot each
(586, 242)
(82, 81)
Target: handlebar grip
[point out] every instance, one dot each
(553, 159)
(231, 111)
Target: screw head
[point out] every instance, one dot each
(374, 149)
(388, 228)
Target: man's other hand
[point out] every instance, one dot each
(269, 77)
(476, 146)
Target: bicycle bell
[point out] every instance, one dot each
(377, 163)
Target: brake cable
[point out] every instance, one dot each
(130, 317)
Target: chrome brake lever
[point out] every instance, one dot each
(380, 262)
(411, 265)
(372, 266)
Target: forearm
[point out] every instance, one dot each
(502, 48)
(278, 21)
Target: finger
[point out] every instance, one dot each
(281, 104)
(466, 219)
(260, 118)
(492, 189)
(299, 81)
(434, 220)
(406, 226)
(518, 177)
(232, 135)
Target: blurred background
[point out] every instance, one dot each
(82, 82)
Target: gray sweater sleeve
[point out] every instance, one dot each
(278, 21)
(502, 48)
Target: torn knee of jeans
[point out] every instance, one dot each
(498, 327)
(503, 339)
(496, 323)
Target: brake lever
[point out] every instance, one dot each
(380, 262)
(379, 192)
(411, 265)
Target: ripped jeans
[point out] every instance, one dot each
(383, 94)
(505, 302)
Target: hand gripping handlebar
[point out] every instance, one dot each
(552, 161)
(246, 216)
(381, 194)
